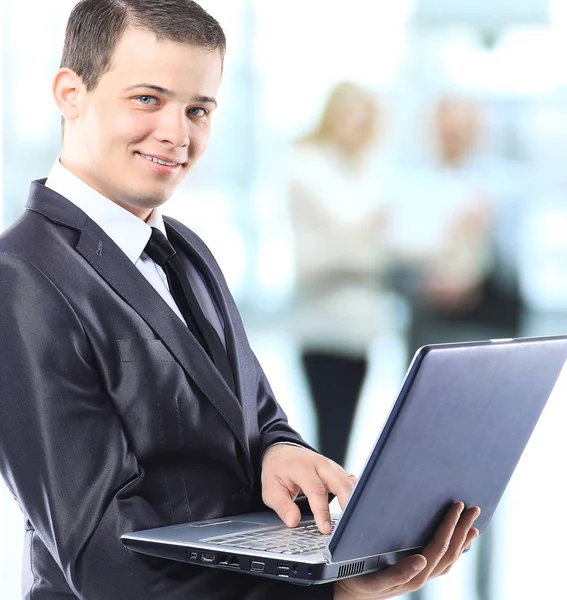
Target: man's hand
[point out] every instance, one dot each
(287, 470)
(453, 535)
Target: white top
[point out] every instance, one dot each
(433, 223)
(339, 217)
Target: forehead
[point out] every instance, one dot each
(141, 56)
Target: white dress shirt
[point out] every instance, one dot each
(131, 235)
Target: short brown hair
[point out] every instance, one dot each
(95, 27)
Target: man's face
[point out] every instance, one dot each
(155, 103)
(458, 128)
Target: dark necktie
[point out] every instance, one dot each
(163, 254)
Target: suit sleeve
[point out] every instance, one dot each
(64, 455)
(272, 420)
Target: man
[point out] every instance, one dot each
(129, 395)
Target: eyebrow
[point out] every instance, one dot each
(165, 92)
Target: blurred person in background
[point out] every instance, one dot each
(455, 230)
(340, 222)
(462, 282)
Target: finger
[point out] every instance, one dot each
(279, 498)
(404, 575)
(439, 545)
(384, 584)
(338, 482)
(317, 494)
(338, 467)
(352, 478)
(471, 536)
(458, 539)
(457, 542)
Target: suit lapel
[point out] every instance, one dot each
(119, 273)
(239, 352)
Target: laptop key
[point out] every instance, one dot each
(299, 540)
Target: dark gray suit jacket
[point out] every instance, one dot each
(113, 418)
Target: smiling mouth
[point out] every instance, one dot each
(160, 161)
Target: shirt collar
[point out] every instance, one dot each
(127, 231)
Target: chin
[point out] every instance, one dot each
(148, 201)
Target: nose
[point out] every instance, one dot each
(173, 127)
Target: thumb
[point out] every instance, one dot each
(279, 498)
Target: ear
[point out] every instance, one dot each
(67, 88)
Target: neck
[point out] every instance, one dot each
(352, 158)
(83, 175)
(452, 159)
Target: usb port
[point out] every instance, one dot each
(223, 560)
(256, 565)
(283, 569)
(208, 558)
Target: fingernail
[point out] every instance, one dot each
(288, 519)
(327, 526)
(417, 563)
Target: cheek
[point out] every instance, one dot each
(117, 128)
(199, 141)
(133, 128)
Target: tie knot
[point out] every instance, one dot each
(158, 248)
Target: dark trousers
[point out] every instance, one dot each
(335, 382)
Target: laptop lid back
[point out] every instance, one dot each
(456, 432)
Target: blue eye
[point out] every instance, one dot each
(197, 112)
(146, 100)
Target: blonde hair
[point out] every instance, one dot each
(324, 131)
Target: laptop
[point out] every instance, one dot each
(456, 431)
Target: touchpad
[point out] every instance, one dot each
(227, 528)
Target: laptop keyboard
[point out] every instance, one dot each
(299, 540)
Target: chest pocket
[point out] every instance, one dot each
(156, 400)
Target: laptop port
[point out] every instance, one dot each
(223, 560)
(208, 558)
(295, 569)
(283, 569)
(233, 561)
(256, 565)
